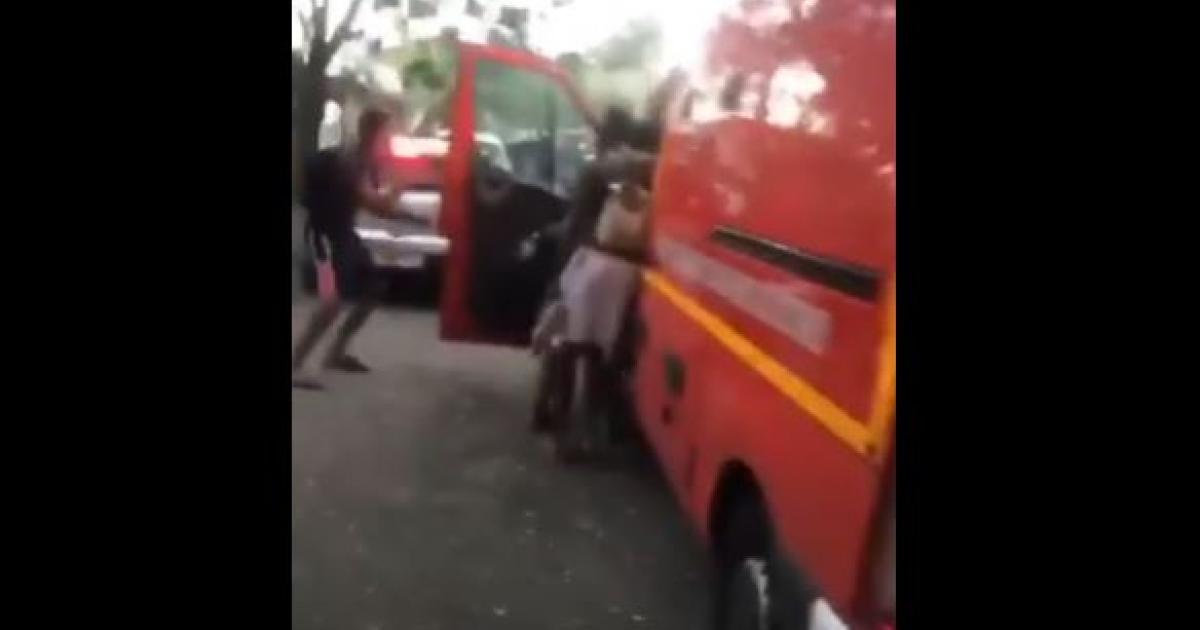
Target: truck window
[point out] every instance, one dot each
(575, 143)
(527, 125)
(429, 83)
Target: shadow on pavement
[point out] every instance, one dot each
(417, 290)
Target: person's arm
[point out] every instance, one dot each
(382, 203)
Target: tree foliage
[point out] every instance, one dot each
(421, 72)
(323, 37)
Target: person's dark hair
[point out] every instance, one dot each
(660, 97)
(646, 136)
(370, 124)
(615, 129)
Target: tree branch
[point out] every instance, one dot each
(299, 6)
(306, 28)
(320, 15)
(343, 30)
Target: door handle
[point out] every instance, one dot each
(675, 372)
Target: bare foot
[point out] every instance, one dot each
(347, 363)
(301, 380)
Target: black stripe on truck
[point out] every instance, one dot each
(848, 278)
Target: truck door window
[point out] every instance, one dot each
(429, 82)
(575, 143)
(527, 126)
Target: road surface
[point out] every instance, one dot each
(421, 502)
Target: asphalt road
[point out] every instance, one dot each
(420, 501)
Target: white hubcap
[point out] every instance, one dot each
(756, 568)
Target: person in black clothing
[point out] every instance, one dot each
(338, 182)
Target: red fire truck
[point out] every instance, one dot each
(765, 380)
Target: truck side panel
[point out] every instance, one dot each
(780, 159)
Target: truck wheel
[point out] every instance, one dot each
(741, 577)
(752, 589)
(747, 606)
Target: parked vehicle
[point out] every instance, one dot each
(507, 143)
(414, 242)
(765, 378)
(409, 243)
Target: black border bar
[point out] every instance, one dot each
(853, 280)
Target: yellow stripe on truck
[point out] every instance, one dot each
(883, 408)
(859, 436)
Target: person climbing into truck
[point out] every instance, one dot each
(584, 334)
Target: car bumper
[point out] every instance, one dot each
(403, 251)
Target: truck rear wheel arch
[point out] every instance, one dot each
(735, 483)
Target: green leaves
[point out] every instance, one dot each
(422, 72)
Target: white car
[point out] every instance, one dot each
(415, 244)
(404, 243)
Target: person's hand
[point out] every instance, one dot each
(390, 189)
(633, 197)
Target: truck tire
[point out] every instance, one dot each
(740, 579)
(747, 606)
(753, 591)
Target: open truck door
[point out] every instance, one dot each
(520, 136)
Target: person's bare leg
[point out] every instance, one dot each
(319, 322)
(338, 357)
